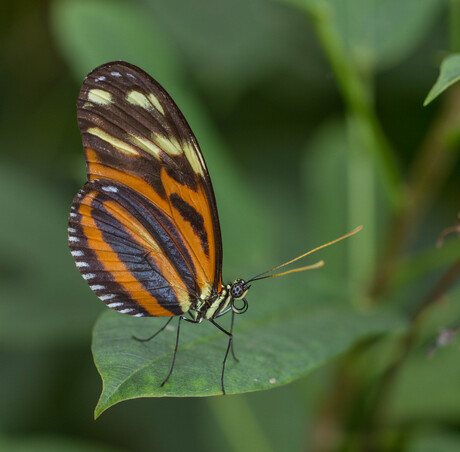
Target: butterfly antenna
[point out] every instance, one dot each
(308, 267)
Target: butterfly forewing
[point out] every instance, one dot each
(147, 221)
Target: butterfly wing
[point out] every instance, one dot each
(127, 252)
(149, 205)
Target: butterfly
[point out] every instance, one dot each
(144, 229)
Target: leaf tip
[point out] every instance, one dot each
(428, 99)
(98, 411)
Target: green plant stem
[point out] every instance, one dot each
(377, 409)
(361, 405)
(359, 103)
(454, 26)
(239, 424)
(431, 168)
(361, 210)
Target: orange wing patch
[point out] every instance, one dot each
(200, 240)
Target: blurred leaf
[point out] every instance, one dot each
(90, 33)
(94, 32)
(247, 414)
(231, 42)
(325, 180)
(273, 350)
(250, 433)
(377, 34)
(421, 264)
(43, 299)
(340, 196)
(427, 387)
(434, 442)
(449, 74)
(47, 443)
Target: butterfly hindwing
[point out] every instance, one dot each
(125, 253)
(137, 141)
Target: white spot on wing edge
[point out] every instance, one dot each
(87, 276)
(81, 264)
(97, 287)
(139, 315)
(77, 253)
(125, 311)
(99, 96)
(73, 230)
(116, 74)
(107, 296)
(73, 239)
(72, 214)
(100, 79)
(110, 188)
(117, 304)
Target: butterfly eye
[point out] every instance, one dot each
(238, 289)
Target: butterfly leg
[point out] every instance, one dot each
(177, 345)
(229, 346)
(231, 333)
(153, 335)
(175, 353)
(231, 328)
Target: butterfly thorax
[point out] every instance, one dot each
(218, 304)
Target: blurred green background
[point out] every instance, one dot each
(309, 114)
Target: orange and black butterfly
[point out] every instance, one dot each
(144, 230)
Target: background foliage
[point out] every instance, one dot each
(310, 115)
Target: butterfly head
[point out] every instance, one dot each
(238, 291)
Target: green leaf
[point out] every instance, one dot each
(435, 441)
(50, 443)
(273, 349)
(449, 74)
(327, 197)
(435, 377)
(334, 151)
(411, 268)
